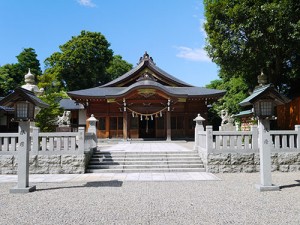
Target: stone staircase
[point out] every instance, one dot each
(138, 162)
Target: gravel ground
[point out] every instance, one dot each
(233, 200)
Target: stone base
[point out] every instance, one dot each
(267, 188)
(25, 190)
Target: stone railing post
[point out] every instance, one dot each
(297, 129)
(254, 139)
(199, 127)
(35, 140)
(209, 138)
(81, 139)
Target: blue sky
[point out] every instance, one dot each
(171, 31)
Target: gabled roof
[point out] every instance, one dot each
(264, 90)
(109, 92)
(22, 94)
(146, 62)
(146, 75)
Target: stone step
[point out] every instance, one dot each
(145, 166)
(148, 170)
(144, 155)
(161, 161)
(145, 152)
(95, 159)
(132, 162)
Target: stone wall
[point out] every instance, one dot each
(249, 162)
(46, 164)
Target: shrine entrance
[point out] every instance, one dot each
(147, 128)
(146, 102)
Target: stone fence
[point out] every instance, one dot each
(57, 152)
(237, 151)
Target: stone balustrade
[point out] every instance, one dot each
(237, 151)
(57, 152)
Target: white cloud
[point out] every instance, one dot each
(196, 54)
(87, 3)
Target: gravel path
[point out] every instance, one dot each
(233, 200)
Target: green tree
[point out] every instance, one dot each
(117, 67)
(46, 119)
(7, 83)
(236, 91)
(27, 59)
(12, 75)
(82, 61)
(247, 36)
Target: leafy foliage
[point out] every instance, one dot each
(7, 82)
(247, 36)
(81, 63)
(47, 117)
(12, 75)
(236, 91)
(117, 67)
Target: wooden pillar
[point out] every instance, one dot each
(168, 126)
(125, 125)
(107, 127)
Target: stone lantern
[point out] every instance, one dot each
(264, 99)
(24, 103)
(199, 127)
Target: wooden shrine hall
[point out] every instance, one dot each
(146, 102)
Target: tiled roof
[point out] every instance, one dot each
(260, 91)
(119, 91)
(21, 93)
(146, 62)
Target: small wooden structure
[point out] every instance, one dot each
(146, 102)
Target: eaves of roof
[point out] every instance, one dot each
(106, 92)
(23, 94)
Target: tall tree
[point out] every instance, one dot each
(46, 119)
(7, 82)
(117, 67)
(247, 36)
(12, 75)
(27, 59)
(82, 61)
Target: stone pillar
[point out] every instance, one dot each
(35, 140)
(265, 157)
(297, 128)
(168, 126)
(81, 140)
(199, 127)
(209, 138)
(23, 159)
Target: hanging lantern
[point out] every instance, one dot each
(132, 114)
(151, 117)
(141, 117)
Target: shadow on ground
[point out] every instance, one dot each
(291, 185)
(94, 184)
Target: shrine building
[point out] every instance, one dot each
(146, 102)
